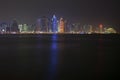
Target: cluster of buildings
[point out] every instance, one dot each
(54, 25)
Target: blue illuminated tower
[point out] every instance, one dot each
(54, 24)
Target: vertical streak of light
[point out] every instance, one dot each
(53, 58)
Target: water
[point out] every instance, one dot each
(59, 57)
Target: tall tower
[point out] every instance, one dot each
(91, 29)
(54, 24)
(38, 25)
(44, 24)
(61, 25)
(20, 27)
(14, 26)
(101, 28)
(3, 27)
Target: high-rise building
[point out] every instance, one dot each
(44, 24)
(25, 28)
(38, 26)
(3, 27)
(54, 24)
(101, 28)
(61, 25)
(91, 29)
(14, 26)
(20, 27)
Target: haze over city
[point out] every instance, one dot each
(83, 11)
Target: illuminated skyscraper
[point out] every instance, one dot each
(54, 24)
(20, 27)
(25, 28)
(91, 29)
(101, 28)
(61, 25)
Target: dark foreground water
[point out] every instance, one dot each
(59, 57)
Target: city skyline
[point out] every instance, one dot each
(55, 25)
(84, 11)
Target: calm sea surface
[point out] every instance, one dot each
(59, 57)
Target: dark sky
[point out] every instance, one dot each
(84, 11)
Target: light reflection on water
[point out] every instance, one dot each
(53, 58)
(47, 59)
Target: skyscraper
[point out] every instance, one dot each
(44, 24)
(20, 27)
(38, 26)
(54, 24)
(101, 28)
(61, 25)
(14, 26)
(3, 27)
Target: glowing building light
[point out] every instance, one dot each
(20, 27)
(54, 24)
(3, 30)
(111, 30)
(101, 28)
(61, 25)
(25, 27)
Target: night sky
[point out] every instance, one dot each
(84, 11)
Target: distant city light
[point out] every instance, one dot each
(3, 30)
(55, 25)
